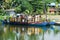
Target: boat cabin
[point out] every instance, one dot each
(33, 19)
(24, 18)
(19, 18)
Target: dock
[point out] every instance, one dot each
(55, 18)
(57, 23)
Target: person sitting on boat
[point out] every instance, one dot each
(47, 19)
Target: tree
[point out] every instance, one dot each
(58, 1)
(2, 12)
(9, 3)
(49, 1)
(6, 5)
(23, 5)
(27, 5)
(18, 9)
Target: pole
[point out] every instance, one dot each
(45, 10)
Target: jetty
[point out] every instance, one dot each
(57, 23)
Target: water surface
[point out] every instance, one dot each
(14, 32)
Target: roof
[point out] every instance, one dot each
(10, 10)
(52, 4)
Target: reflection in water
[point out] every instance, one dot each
(14, 32)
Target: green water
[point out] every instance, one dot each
(14, 32)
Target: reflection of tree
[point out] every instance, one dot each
(22, 37)
(49, 31)
(1, 34)
(34, 37)
(56, 31)
(9, 35)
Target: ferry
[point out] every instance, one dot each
(26, 20)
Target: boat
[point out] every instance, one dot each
(23, 20)
(29, 24)
(38, 24)
(25, 23)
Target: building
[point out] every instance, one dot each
(10, 12)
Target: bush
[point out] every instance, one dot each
(18, 9)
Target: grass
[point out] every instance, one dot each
(3, 17)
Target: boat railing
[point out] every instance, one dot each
(28, 19)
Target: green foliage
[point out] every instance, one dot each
(18, 9)
(23, 5)
(58, 1)
(2, 12)
(26, 12)
(49, 1)
(8, 1)
(6, 5)
(56, 31)
(9, 35)
(27, 5)
(39, 11)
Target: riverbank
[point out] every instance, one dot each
(2, 17)
(55, 18)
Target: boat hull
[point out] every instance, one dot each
(29, 24)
